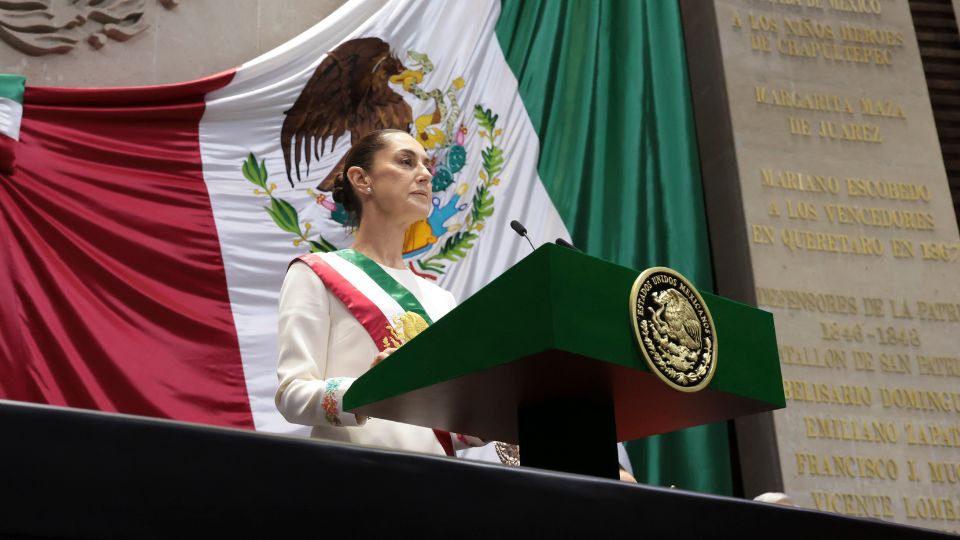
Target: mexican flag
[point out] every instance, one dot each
(147, 230)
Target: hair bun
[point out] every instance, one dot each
(339, 192)
(343, 193)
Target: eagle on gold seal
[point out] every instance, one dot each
(674, 329)
(404, 328)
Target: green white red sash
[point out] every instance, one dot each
(371, 295)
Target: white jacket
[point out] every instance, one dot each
(323, 349)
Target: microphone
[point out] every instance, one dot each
(564, 243)
(522, 231)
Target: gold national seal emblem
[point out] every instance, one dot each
(674, 329)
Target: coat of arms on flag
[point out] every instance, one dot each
(360, 87)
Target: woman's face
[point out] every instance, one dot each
(400, 179)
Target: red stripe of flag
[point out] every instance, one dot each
(8, 154)
(114, 295)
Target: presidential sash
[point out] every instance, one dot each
(387, 310)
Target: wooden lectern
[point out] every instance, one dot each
(545, 356)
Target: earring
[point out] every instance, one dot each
(369, 190)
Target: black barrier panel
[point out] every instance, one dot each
(77, 474)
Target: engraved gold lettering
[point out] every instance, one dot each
(801, 210)
(920, 400)
(799, 181)
(791, 99)
(903, 249)
(871, 36)
(940, 251)
(938, 311)
(944, 472)
(931, 508)
(886, 108)
(813, 357)
(888, 190)
(938, 366)
(930, 434)
(833, 394)
(849, 131)
(847, 466)
(854, 504)
(762, 234)
(807, 301)
(802, 240)
(867, 7)
(843, 214)
(851, 429)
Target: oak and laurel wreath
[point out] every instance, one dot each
(282, 212)
(460, 242)
(678, 377)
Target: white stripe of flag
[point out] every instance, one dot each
(10, 114)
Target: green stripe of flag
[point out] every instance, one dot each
(401, 294)
(11, 87)
(605, 85)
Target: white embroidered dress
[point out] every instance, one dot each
(324, 348)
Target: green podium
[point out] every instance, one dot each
(545, 356)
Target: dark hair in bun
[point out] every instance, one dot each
(360, 155)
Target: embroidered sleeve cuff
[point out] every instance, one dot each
(462, 442)
(332, 403)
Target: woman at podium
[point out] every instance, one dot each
(344, 311)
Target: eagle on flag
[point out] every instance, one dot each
(348, 93)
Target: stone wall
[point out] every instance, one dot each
(154, 41)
